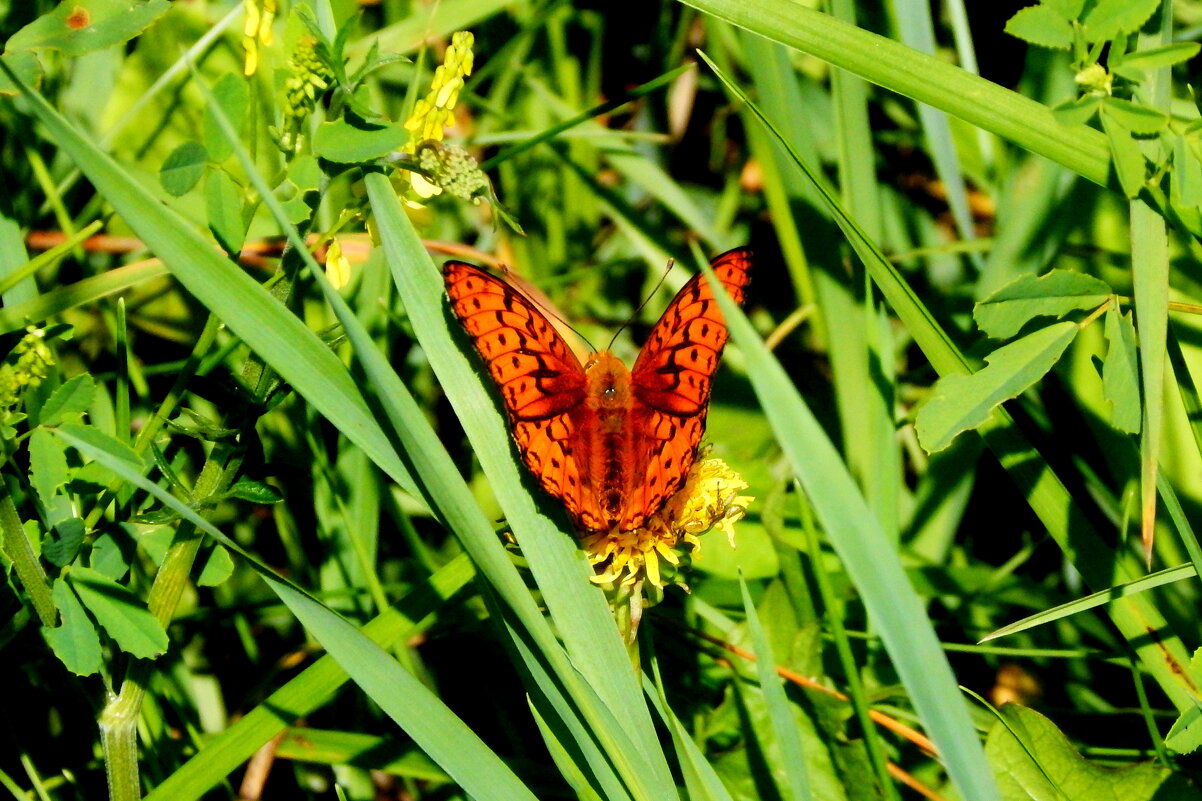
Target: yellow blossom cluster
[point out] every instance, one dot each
(709, 499)
(255, 31)
(434, 113)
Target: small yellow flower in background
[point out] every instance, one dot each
(434, 113)
(709, 499)
(338, 266)
(256, 30)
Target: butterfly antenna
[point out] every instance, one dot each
(663, 277)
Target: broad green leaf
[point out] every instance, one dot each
(346, 143)
(1068, 9)
(74, 641)
(1041, 25)
(1120, 372)
(1134, 65)
(1034, 760)
(959, 403)
(1077, 111)
(123, 615)
(225, 206)
(1002, 314)
(80, 26)
(1108, 18)
(232, 93)
(73, 397)
(183, 168)
(301, 189)
(64, 539)
(1135, 117)
(106, 554)
(1126, 157)
(47, 463)
(217, 568)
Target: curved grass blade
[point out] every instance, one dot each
(1097, 560)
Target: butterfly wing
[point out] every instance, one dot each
(541, 381)
(671, 382)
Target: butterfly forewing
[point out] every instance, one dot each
(537, 372)
(676, 366)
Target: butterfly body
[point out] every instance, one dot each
(613, 443)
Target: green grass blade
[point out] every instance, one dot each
(579, 610)
(924, 78)
(294, 351)
(309, 691)
(1097, 560)
(1158, 579)
(780, 714)
(871, 560)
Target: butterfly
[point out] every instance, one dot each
(612, 444)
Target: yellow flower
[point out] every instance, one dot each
(709, 499)
(338, 266)
(256, 30)
(434, 113)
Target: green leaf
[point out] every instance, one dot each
(111, 445)
(1067, 9)
(81, 26)
(345, 142)
(218, 567)
(1185, 736)
(47, 463)
(70, 399)
(227, 210)
(1002, 314)
(1077, 111)
(1133, 66)
(121, 614)
(231, 93)
(1120, 372)
(106, 554)
(1109, 18)
(300, 191)
(63, 541)
(1041, 25)
(962, 402)
(1125, 155)
(255, 491)
(1135, 117)
(27, 67)
(183, 168)
(75, 640)
(1034, 760)
(1185, 188)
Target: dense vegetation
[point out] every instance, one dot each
(264, 527)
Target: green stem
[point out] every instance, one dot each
(25, 562)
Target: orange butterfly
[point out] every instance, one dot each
(612, 444)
